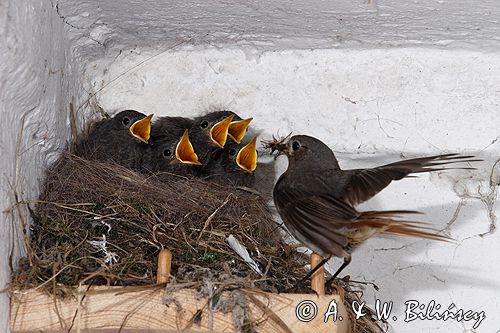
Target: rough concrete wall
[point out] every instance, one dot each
(36, 82)
(102, 26)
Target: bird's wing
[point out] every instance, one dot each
(361, 184)
(317, 220)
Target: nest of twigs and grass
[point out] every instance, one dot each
(104, 224)
(98, 223)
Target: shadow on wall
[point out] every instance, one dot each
(407, 260)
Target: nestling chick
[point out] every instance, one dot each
(209, 132)
(233, 165)
(170, 148)
(121, 139)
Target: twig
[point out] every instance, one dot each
(273, 316)
(72, 123)
(210, 218)
(24, 226)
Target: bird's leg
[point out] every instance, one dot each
(308, 275)
(347, 261)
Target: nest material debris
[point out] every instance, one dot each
(350, 292)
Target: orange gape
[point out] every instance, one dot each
(238, 129)
(141, 129)
(184, 151)
(247, 156)
(218, 132)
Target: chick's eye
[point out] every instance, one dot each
(167, 152)
(232, 152)
(204, 124)
(295, 146)
(126, 121)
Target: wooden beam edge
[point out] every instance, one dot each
(156, 310)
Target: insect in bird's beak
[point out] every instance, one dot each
(279, 144)
(184, 152)
(282, 149)
(141, 129)
(237, 129)
(247, 156)
(218, 132)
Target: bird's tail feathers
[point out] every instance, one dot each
(370, 223)
(433, 163)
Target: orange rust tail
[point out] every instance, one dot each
(387, 222)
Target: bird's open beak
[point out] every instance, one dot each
(237, 129)
(141, 129)
(218, 132)
(185, 151)
(247, 156)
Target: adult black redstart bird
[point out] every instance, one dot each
(232, 165)
(315, 198)
(121, 139)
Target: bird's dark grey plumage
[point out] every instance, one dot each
(200, 133)
(111, 140)
(166, 132)
(223, 168)
(316, 198)
(169, 126)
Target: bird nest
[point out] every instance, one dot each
(98, 223)
(103, 224)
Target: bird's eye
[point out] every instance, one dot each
(126, 121)
(232, 152)
(167, 152)
(295, 146)
(204, 124)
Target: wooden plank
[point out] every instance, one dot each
(109, 309)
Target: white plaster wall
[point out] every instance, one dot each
(372, 106)
(37, 80)
(112, 25)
